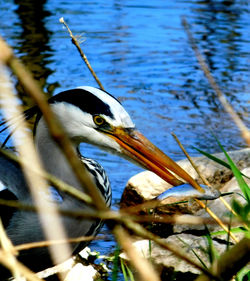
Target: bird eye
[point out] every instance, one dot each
(98, 120)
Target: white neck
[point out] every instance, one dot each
(53, 160)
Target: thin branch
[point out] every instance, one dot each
(190, 160)
(120, 217)
(56, 182)
(117, 230)
(8, 249)
(146, 270)
(83, 56)
(13, 264)
(204, 206)
(37, 184)
(41, 244)
(222, 98)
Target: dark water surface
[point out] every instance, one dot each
(142, 56)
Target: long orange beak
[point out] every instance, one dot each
(141, 150)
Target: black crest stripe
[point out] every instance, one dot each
(85, 100)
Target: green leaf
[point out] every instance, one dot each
(124, 271)
(116, 264)
(217, 160)
(242, 184)
(193, 251)
(243, 211)
(213, 254)
(233, 230)
(130, 273)
(243, 274)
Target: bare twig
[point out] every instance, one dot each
(146, 270)
(190, 160)
(26, 149)
(211, 213)
(53, 242)
(13, 264)
(56, 182)
(117, 230)
(214, 216)
(9, 250)
(83, 56)
(222, 98)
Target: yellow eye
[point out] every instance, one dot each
(98, 120)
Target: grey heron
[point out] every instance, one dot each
(88, 115)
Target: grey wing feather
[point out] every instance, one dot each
(13, 179)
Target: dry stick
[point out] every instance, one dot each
(9, 263)
(141, 264)
(205, 181)
(230, 262)
(212, 214)
(190, 159)
(56, 182)
(203, 65)
(76, 43)
(118, 217)
(37, 184)
(9, 250)
(41, 244)
(137, 229)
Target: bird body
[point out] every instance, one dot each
(87, 115)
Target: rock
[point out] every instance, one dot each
(166, 262)
(72, 269)
(146, 185)
(63, 268)
(81, 272)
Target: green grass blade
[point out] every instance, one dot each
(130, 273)
(116, 264)
(217, 160)
(243, 274)
(192, 250)
(124, 271)
(212, 157)
(233, 230)
(242, 184)
(212, 253)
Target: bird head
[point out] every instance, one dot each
(93, 116)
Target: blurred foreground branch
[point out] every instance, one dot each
(37, 184)
(203, 65)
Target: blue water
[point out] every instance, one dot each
(141, 54)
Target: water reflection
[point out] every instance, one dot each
(218, 31)
(33, 44)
